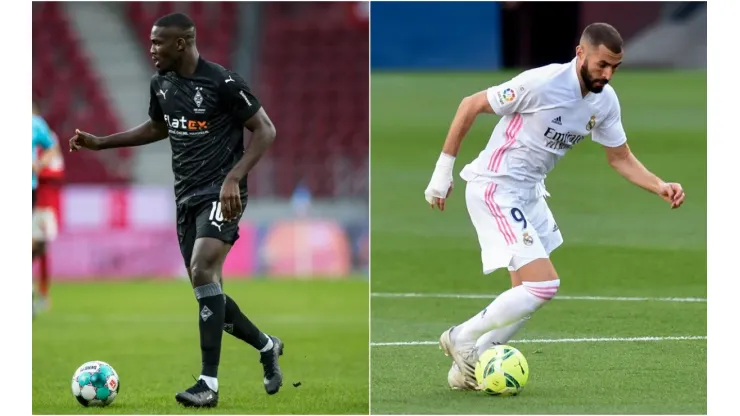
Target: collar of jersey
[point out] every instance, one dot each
(198, 69)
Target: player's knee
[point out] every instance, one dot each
(544, 291)
(203, 272)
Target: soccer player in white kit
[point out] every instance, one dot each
(545, 112)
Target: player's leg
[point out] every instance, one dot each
(502, 335)
(497, 336)
(38, 252)
(532, 266)
(270, 347)
(45, 231)
(237, 324)
(33, 249)
(551, 238)
(204, 264)
(213, 239)
(507, 238)
(540, 282)
(202, 394)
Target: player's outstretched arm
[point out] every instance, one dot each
(440, 187)
(148, 132)
(624, 161)
(263, 135)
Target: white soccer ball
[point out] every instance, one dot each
(95, 383)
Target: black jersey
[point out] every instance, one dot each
(205, 115)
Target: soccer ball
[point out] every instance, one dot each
(502, 370)
(95, 383)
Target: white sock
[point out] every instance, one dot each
(507, 308)
(499, 335)
(212, 382)
(267, 346)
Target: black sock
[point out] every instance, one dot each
(238, 325)
(211, 322)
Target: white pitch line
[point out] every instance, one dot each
(557, 297)
(553, 341)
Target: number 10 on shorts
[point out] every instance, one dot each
(216, 214)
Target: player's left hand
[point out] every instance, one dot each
(673, 193)
(231, 202)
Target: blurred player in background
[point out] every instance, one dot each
(46, 162)
(203, 108)
(545, 112)
(46, 220)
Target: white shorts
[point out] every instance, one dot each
(44, 225)
(515, 227)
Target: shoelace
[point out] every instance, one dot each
(198, 383)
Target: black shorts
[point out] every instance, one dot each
(33, 199)
(199, 217)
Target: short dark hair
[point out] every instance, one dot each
(178, 20)
(605, 34)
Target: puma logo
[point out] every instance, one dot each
(163, 93)
(217, 225)
(519, 363)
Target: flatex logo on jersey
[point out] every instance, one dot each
(560, 141)
(184, 127)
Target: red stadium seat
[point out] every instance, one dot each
(314, 86)
(62, 84)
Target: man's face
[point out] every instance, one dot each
(167, 48)
(597, 65)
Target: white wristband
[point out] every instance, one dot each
(445, 161)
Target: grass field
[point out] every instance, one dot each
(621, 243)
(148, 332)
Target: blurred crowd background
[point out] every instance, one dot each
(307, 62)
(497, 35)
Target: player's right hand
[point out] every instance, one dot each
(82, 140)
(438, 191)
(440, 187)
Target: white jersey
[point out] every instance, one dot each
(544, 116)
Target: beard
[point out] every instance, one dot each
(588, 81)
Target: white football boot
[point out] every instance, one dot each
(456, 379)
(465, 356)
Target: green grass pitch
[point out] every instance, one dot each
(148, 332)
(619, 242)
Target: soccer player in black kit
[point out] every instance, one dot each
(203, 109)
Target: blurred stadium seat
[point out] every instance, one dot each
(315, 88)
(68, 95)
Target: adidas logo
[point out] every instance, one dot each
(557, 121)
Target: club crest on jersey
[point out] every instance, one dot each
(528, 240)
(591, 123)
(198, 98)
